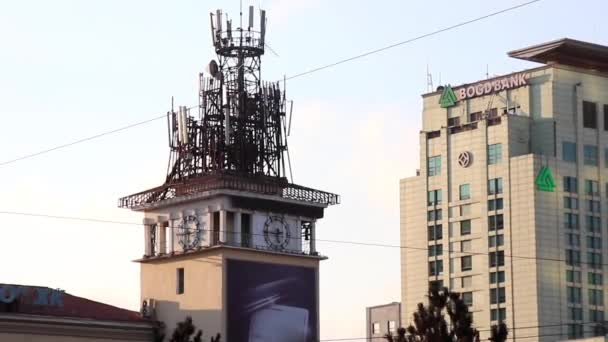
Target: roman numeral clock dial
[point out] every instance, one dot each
(276, 232)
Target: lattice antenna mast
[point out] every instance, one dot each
(241, 128)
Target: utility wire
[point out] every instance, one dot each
(287, 78)
(412, 39)
(358, 243)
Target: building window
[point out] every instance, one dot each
(435, 232)
(392, 327)
(573, 276)
(594, 242)
(569, 151)
(570, 203)
(594, 260)
(495, 204)
(465, 246)
(570, 184)
(593, 206)
(595, 279)
(495, 222)
(436, 267)
(434, 215)
(466, 263)
(375, 328)
(494, 154)
(596, 297)
(497, 295)
(571, 221)
(180, 281)
(495, 186)
(606, 117)
(592, 223)
(496, 240)
(497, 277)
(605, 156)
(575, 314)
(498, 314)
(434, 165)
(474, 116)
(497, 258)
(575, 330)
(573, 257)
(573, 240)
(465, 227)
(574, 294)
(453, 121)
(436, 285)
(434, 197)
(467, 298)
(590, 154)
(465, 191)
(589, 114)
(466, 282)
(596, 316)
(592, 187)
(435, 250)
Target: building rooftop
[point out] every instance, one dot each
(44, 301)
(566, 51)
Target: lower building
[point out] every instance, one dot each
(381, 320)
(42, 314)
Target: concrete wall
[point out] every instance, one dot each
(382, 314)
(204, 297)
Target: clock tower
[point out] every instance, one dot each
(229, 238)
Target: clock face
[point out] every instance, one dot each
(189, 232)
(276, 232)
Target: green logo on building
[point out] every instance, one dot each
(448, 98)
(544, 180)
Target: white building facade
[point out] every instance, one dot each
(509, 206)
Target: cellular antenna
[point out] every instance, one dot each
(250, 26)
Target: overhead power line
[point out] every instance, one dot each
(411, 40)
(342, 61)
(357, 243)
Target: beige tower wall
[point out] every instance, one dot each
(204, 297)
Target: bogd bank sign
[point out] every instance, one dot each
(450, 96)
(270, 302)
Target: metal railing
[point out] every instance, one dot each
(209, 183)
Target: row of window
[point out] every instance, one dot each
(573, 258)
(592, 223)
(434, 197)
(496, 259)
(572, 203)
(574, 240)
(595, 296)
(391, 327)
(590, 115)
(494, 157)
(590, 154)
(573, 276)
(495, 223)
(592, 188)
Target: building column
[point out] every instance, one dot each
(237, 229)
(223, 226)
(161, 237)
(148, 228)
(313, 237)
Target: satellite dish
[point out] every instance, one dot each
(213, 69)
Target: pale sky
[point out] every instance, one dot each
(71, 69)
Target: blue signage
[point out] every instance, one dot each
(42, 296)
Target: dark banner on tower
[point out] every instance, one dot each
(270, 302)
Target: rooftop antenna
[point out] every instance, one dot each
(429, 80)
(487, 71)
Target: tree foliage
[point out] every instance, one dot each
(186, 332)
(430, 325)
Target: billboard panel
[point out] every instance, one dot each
(270, 302)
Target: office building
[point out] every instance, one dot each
(511, 196)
